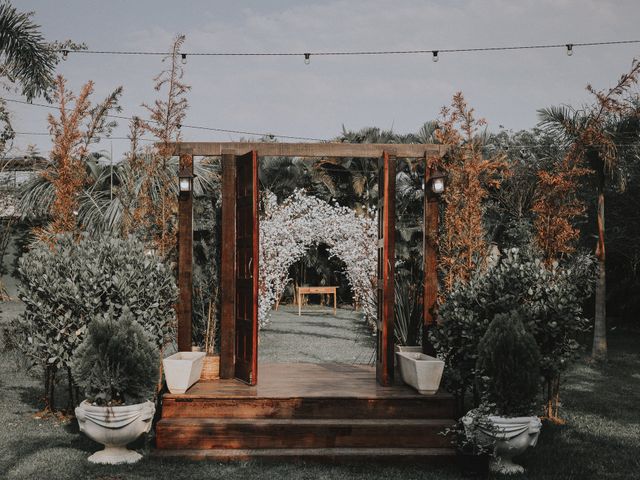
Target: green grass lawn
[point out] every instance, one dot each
(600, 440)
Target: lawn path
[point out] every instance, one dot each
(317, 336)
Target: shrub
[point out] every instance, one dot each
(548, 299)
(508, 367)
(117, 362)
(65, 286)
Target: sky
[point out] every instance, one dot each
(282, 95)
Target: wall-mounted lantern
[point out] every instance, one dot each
(437, 182)
(185, 181)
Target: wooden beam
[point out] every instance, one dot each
(185, 260)
(268, 149)
(228, 275)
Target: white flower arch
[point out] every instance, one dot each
(289, 229)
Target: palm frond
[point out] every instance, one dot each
(26, 57)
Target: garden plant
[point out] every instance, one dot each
(65, 286)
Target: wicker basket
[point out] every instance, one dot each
(211, 368)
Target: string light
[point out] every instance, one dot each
(435, 56)
(362, 52)
(184, 59)
(569, 49)
(307, 58)
(65, 54)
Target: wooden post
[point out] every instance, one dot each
(227, 275)
(185, 258)
(430, 245)
(386, 270)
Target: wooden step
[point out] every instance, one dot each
(439, 406)
(429, 456)
(207, 433)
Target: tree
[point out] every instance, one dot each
(556, 207)
(27, 64)
(597, 135)
(470, 176)
(26, 57)
(76, 128)
(165, 121)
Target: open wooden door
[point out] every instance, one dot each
(246, 268)
(386, 261)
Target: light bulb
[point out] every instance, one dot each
(569, 49)
(65, 53)
(184, 58)
(435, 55)
(185, 184)
(438, 185)
(307, 58)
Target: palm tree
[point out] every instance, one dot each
(598, 136)
(103, 201)
(26, 58)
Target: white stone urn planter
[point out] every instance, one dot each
(421, 371)
(182, 369)
(512, 436)
(115, 427)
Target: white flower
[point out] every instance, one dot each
(289, 229)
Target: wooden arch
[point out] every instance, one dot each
(240, 230)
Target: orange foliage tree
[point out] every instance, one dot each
(556, 208)
(78, 125)
(470, 175)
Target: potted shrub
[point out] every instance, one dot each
(117, 368)
(508, 379)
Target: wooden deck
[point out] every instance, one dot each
(303, 380)
(324, 412)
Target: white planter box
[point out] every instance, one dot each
(405, 348)
(182, 369)
(421, 371)
(115, 427)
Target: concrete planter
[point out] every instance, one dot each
(115, 427)
(421, 371)
(404, 348)
(511, 437)
(182, 369)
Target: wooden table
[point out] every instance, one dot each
(316, 290)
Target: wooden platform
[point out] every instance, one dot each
(306, 411)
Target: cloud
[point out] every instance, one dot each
(282, 95)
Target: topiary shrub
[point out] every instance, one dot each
(66, 285)
(508, 367)
(117, 362)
